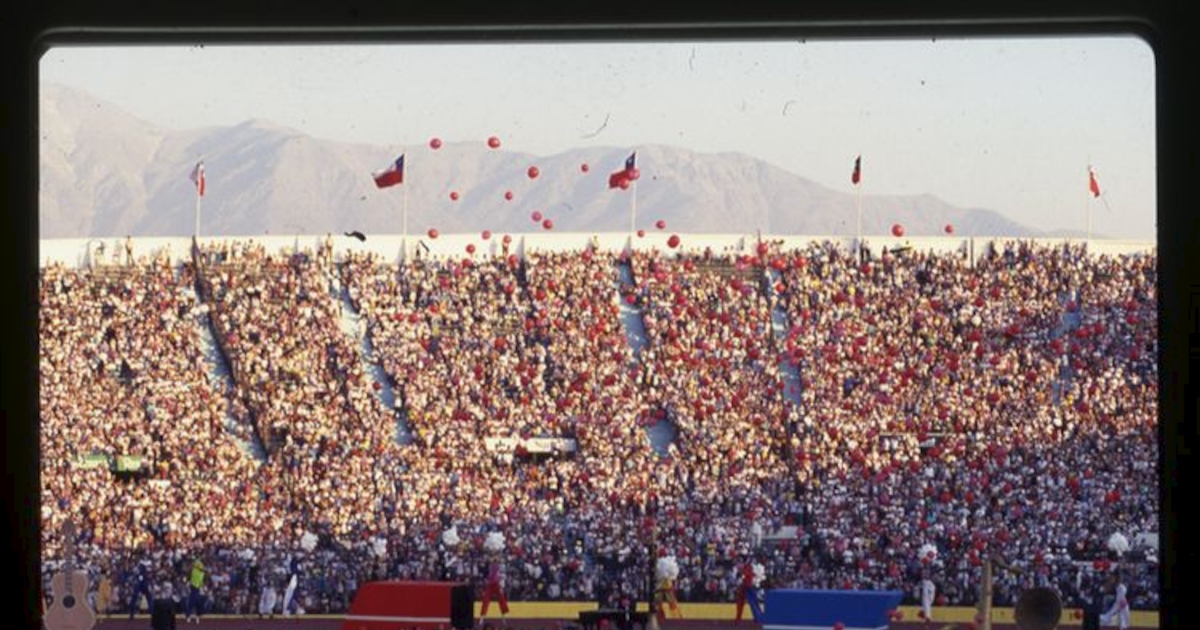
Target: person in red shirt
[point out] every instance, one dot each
(494, 589)
(748, 592)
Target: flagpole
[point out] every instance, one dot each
(858, 228)
(1087, 204)
(633, 210)
(196, 233)
(404, 212)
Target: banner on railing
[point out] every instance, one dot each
(533, 446)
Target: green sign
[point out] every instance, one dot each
(93, 460)
(129, 463)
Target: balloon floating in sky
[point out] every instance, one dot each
(641, 233)
(949, 228)
(470, 248)
(507, 239)
(508, 195)
(584, 167)
(433, 233)
(536, 216)
(486, 234)
(435, 143)
(533, 172)
(660, 224)
(454, 195)
(547, 224)
(494, 142)
(897, 230)
(673, 242)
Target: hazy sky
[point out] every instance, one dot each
(1005, 124)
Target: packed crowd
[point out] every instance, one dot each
(1003, 408)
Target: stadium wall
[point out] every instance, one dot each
(728, 612)
(79, 252)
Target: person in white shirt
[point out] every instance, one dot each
(928, 592)
(290, 590)
(1119, 612)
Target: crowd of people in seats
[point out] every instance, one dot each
(1005, 408)
(356, 418)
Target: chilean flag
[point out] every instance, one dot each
(615, 179)
(856, 176)
(1093, 185)
(197, 178)
(392, 175)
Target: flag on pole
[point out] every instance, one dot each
(392, 175)
(1093, 185)
(856, 176)
(624, 175)
(197, 177)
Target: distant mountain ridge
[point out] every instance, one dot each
(104, 172)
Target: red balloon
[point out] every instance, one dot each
(507, 239)
(533, 172)
(897, 230)
(584, 167)
(673, 242)
(536, 216)
(660, 224)
(435, 143)
(433, 233)
(641, 233)
(453, 195)
(547, 224)
(494, 142)
(486, 234)
(949, 228)
(470, 248)
(508, 195)
(631, 299)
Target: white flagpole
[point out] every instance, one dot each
(404, 212)
(198, 183)
(1087, 202)
(633, 210)
(858, 229)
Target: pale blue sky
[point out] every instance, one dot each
(1006, 124)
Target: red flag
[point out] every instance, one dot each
(197, 178)
(1093, 185)
(856, 176)
(624, 175)
(392, 175)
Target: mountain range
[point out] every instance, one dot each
(105, 172)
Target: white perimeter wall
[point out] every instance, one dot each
(83, 251)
